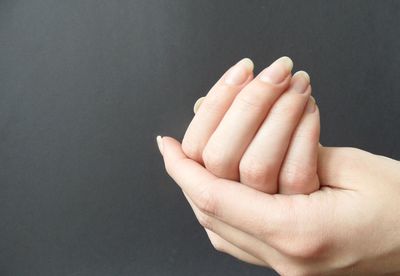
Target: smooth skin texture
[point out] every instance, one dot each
(243, 132)
(298, 173)
(350, 226)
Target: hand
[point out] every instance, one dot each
(351, 225)
(263, 132)
(281, 113)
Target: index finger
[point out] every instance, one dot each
(214, 106)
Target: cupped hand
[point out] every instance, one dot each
(261, 131)
(350, 226)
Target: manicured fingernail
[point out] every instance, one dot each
(197, 104)
(277, 71)
(311, 105)
(239, 73)
(300, 82)
(160, 144)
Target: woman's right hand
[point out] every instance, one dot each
(261, 131)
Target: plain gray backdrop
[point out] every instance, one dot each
(86, 85)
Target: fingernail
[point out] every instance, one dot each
(277, 71)
(311, 105)
(239, 73)
(301, 80)
(197, 104)
(160, 144)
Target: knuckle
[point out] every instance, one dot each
(214, 160)
(253, 170)
(296, 176)
(191, 149)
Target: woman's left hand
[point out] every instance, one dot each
(350, 226)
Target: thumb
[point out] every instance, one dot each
(183, 170)
(339, 167)
(171, 151)
(229, 201)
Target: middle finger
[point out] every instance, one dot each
(260, 164)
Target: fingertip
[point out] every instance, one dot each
(303, 74)
(197, 104)
(160, 144)
(172, 153)
(167, 143)
(248, 63)
(288, 62)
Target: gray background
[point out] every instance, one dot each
(85, 86)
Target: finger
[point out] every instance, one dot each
(226, 145)
(221, 244)
(298, 173)
(338, 167)
(261, 162)
(256, 213)
(213, 108)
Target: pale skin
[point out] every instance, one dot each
(343, 217)
(260, 131)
